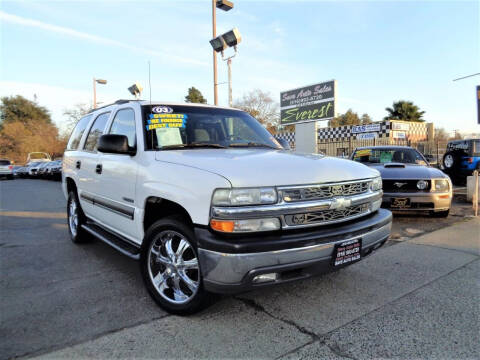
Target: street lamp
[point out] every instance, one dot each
(230, 39)
(225, 6)
(95, 81)
(136, 90)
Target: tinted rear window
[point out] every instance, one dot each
(4, 162)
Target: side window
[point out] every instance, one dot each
(78, 132)
(124, 124)
(96, 131)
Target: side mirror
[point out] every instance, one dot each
(285, 144)
(115, 144)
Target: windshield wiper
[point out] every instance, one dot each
(252, 144)
(191, 146)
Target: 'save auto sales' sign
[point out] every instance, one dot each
(309, 103)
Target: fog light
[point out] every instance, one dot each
(422, 185)
(265, 278)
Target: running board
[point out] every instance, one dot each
(125, 246)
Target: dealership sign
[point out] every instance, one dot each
(309, 103)
(367, 136)
(365, 128)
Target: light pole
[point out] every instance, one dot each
(95, 81)
(229, 63)
(226, 6)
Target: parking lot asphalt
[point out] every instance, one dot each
(417, 298)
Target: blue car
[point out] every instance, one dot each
(462, 158)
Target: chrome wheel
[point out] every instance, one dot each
(173, 267)
(73, 217)
(448, 161)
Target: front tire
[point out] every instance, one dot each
(170, 267)
(75, 219)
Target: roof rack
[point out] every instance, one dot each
(118, 102)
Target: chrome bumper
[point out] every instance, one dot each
(228, 272)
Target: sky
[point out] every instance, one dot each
(378, 51)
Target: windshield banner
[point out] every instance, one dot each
(159, 121)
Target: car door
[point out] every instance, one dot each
(88, 176)
(118, 177)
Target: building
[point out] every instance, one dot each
(342, 140)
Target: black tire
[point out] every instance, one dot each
(441, 214)
(78, 235)
(451, 161)
(170, 276)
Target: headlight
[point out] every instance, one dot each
(247, 225)
(442, 185)
(376, 184)
(422, 184)
(237, 197)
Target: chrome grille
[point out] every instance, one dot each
(325, 215)
(319, 192)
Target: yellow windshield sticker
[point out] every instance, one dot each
(159, 121)
(363, 152)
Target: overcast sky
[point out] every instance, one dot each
(379, 52)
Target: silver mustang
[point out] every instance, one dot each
(409, 182)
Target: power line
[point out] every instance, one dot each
(464, 77)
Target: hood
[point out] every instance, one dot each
(407, 171)
(264, 167)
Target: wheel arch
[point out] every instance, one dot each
(157, 208)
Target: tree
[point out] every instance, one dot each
(404, 110)
(366, 119)
(74, 114)
(27, 127)
(18, 108)
(349, 118)
(195, 96)
(262, 107)
(440, 135)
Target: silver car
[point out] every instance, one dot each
(409, 183)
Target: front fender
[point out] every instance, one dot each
(191, 188)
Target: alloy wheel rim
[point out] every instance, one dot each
(173, 267)
(73, 218)
(448, 161)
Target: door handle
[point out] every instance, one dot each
(78, 164)
(98, 169)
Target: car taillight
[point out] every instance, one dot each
(470, 160)
(10, 167)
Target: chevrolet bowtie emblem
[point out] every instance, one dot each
(340, 203)
(399, 184)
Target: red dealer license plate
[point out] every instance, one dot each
(347, 252)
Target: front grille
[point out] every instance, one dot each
(325, 215)
(319, 192)
(390, 186)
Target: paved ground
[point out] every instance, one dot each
(416, 299)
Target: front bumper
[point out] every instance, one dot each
(427, 201)
(229, 265)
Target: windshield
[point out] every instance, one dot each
(388, 155)
(177, 127)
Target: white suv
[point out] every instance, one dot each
(208, 201)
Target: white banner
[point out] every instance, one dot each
(365, 128)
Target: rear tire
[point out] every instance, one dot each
(170, 267)
(75, 219)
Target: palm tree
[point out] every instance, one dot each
(404, 110)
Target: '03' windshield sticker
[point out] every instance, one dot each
(159, 121)
(162, 110)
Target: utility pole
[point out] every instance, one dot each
(214, 33)
(229, 63)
